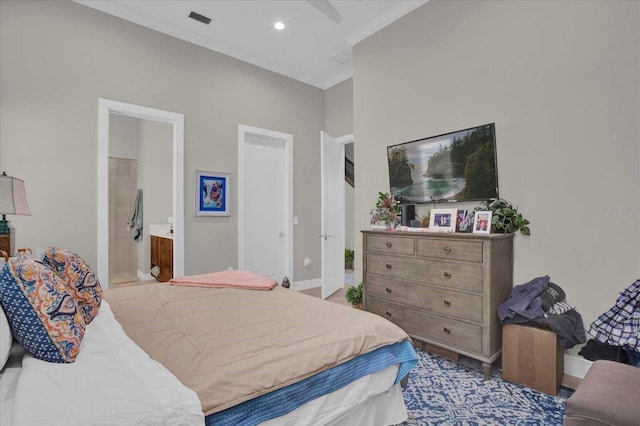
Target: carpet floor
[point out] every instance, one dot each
(443, 392)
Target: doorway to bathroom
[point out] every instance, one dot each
(139, 197)
(171, 187)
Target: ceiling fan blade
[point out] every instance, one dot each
(326, 8)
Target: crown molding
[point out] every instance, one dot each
(382, 21)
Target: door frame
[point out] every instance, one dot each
(105, 108)
(340, 213)
(287, 140)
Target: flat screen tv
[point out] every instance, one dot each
(457, 166)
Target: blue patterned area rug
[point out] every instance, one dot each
(442, 392)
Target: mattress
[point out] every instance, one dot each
(233, 347)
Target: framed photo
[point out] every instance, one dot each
(212, 193)
(443, 220)
(482, 222)
(460, 219)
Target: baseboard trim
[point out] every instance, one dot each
(575, 366)
(307, 284)
(144, 277)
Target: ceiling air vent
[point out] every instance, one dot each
(201, 18)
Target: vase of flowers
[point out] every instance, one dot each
(386, 212)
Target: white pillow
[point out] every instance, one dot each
(5, 338)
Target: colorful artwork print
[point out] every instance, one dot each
(212, 194)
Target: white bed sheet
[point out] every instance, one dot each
(112, 382)
(371, 400)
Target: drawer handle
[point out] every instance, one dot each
(446, 330)
(447, 303)
(388, 314)
(388, 266)
(447, 250)
(389, 244)
(447, 275)
(388, 290)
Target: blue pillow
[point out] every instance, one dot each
(43, 316)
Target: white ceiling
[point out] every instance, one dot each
(244, 30)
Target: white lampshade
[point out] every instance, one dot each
(13, 199)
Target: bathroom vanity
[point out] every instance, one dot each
(161, 252)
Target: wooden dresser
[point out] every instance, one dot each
(442, 289)
(162, 257)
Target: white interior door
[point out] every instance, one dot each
(265, 231)
(332, 224)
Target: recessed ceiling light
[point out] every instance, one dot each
(278, 25)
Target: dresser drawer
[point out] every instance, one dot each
(390, 244)
(440, 301)
(465, 276)
(422, 324)
(447, 249)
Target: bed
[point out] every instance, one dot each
(161, 354)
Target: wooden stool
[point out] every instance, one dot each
(532, 357)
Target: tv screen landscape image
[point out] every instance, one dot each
(457, 166)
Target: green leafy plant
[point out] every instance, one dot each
(505, 218)
(349, 255)
(354, 295)
(387, 210)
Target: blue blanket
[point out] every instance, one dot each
(285, 400)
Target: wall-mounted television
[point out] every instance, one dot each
(456, 166)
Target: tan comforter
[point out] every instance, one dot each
(232, 345)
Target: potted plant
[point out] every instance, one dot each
(349, 255)
(386, 211)
(354, 296)
(505, 218)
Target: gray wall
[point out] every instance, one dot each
(561, 82)
(124, 133)
(58, 57)
(339, 109)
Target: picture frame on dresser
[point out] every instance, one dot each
(482, 222)
(443, 220)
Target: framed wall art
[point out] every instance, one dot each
(443, 220)
(212, 193)
(482, 222)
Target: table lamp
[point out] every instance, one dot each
(13, 200)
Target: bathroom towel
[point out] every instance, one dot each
(232, 279)
(136, 218)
